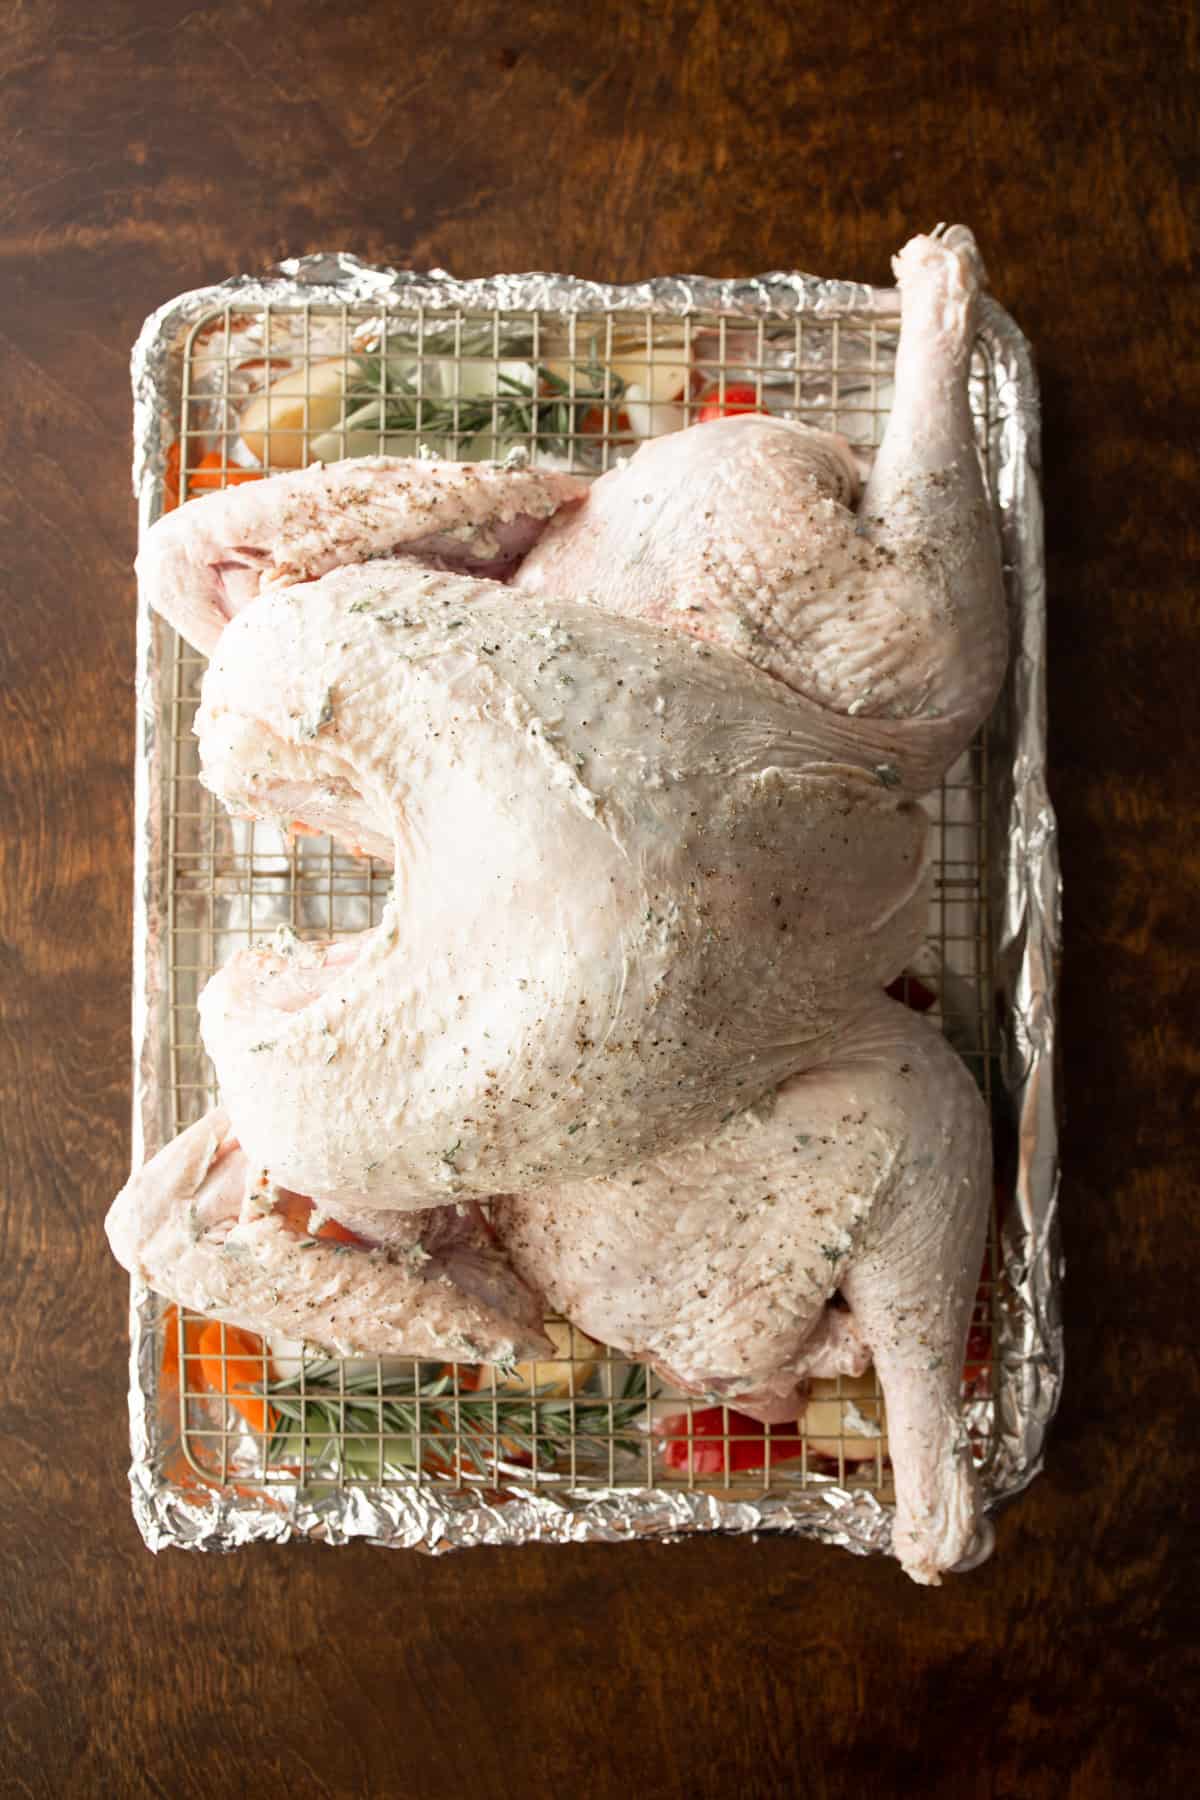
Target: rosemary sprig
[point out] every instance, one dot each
(382, 395)
(360, 1423)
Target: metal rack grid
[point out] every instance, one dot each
(476, 385)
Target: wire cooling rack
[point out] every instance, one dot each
(573, 390)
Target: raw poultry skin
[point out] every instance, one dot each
(888, 628)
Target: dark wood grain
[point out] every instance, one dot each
(152, 145)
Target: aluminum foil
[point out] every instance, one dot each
(173, 1503)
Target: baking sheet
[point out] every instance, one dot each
(318, 302)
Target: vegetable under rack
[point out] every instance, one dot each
(283, 386)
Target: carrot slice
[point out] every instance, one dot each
(210, 473)
(592, 423)
(169, 1328)
(238, 1372)
(334, 1233)
(171, 479)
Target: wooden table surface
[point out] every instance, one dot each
(152, 145)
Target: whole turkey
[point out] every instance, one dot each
(654, 818)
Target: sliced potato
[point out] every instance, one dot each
(278, 425)
(654, 393)
(845, 1420)
(652, 418)
(553, 1376)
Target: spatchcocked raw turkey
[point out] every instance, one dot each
(652, 806)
